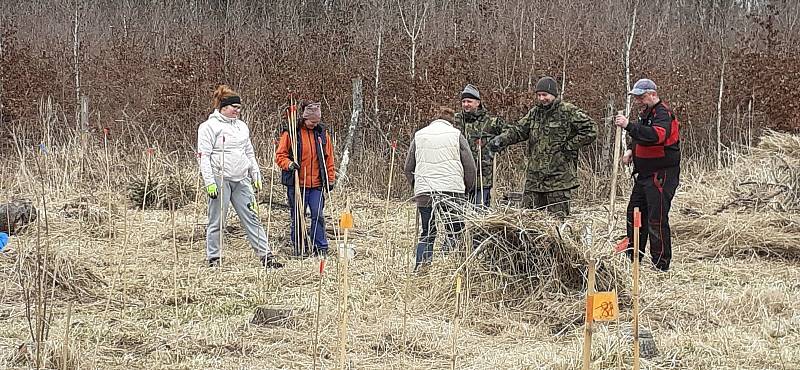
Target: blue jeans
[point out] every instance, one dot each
(315, 202)
(481, 197)
(453, 225)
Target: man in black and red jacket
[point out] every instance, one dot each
(655, 152)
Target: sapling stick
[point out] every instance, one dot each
(148, 157)
(479, 192)
(319, 305)
(407, 279)
(588, 325)
(177, 259)
(344, 291)
(389, 196)
(612, 197)
(636, 225)
(199, 189)
(220, 195)
(271, 186)
(454, 350)
(65, 348)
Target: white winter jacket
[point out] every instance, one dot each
(240, 159)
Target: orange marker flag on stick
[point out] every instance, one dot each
(346, 221)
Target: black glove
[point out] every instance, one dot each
(293, 167)
(331, 185)
(495, 146)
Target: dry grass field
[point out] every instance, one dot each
(108, 286)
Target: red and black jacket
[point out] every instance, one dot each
(655, 139)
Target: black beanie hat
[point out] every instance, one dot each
(548, 85)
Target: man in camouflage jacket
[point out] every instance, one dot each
(555, 131)
(479, 127)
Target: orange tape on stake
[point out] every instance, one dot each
(346, 221)
(637, 218)
(622, 245)
(321, 266)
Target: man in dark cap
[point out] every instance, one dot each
(479, 127)
(555, 131)
(655, 152)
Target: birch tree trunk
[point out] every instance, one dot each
(358, 105)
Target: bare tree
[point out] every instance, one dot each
(415, 29)
(627, 58)
(378, 72)
(532, 70)
(77, 66)
(719, 111)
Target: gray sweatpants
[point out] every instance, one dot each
(240, 194)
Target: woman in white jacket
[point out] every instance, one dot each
(228, 166)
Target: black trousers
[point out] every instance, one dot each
(653, 194)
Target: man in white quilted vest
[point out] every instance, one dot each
(441, 169)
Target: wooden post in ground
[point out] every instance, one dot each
(271, 184)
(222, 213)
(319, 305)
(493, 192)
(346, 223)
(454, 353)
(588, 325)
(479, 183)
(637, 223)
(177, 260)
(65, 350)
(388, 196)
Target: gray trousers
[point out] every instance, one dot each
(240, 194)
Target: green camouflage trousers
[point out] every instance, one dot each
(554, 202)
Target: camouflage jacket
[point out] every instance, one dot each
(554, 135)
(479, 128)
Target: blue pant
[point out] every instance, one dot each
(453, 224)
(315, 202)
(481, 197)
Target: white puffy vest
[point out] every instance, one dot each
(438, 159)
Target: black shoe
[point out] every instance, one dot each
(213, 262)
(271, 262)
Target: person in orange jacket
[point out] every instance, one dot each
(315, 173)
